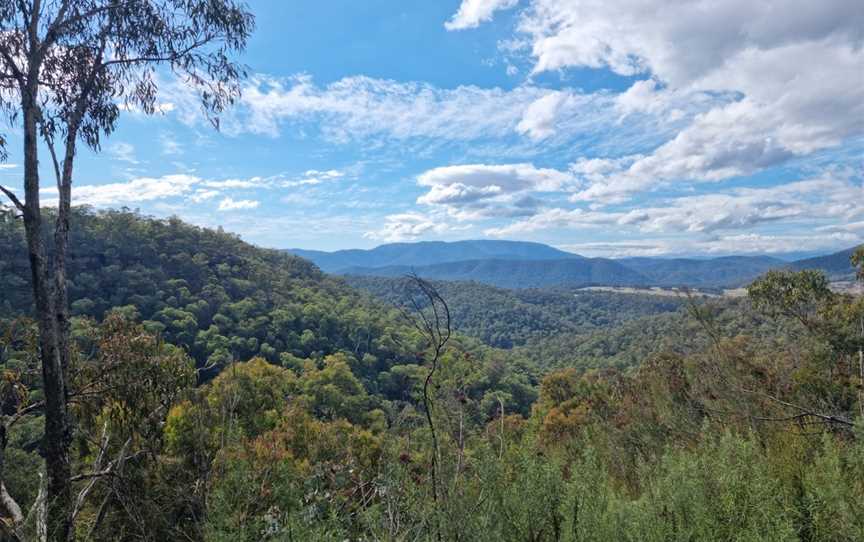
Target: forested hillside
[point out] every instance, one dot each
(635, 340)
(556, 328)
(225, 392)
(680, 379)
(729, 271)
(506, 318)
(837, 265)
(573, 272)
(220, 299)
(511, 264)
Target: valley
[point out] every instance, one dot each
(564, 271)
(322, 380)
(511, 264)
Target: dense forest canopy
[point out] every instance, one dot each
(164, 381)
(234, 393)
(506, 318)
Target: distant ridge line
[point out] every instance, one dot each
(517, 264)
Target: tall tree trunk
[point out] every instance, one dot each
(61, 243)
(57, 434)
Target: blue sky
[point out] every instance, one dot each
(639, 127)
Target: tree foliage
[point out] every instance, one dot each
(724, 420)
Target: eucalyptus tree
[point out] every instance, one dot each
(67, 70)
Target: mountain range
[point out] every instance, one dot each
(516, 264)
(430, 253)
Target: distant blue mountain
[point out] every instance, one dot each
(515, 264)
(838, 265)
(518, 273)
(714, 272)
(429, 253)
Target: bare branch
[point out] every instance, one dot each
(13, 419)
(436, 330)
(10, 506)
(97, 464)
(804, 410)
(13, 198)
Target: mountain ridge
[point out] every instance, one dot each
(837, 264)
(518, 273)
(431, 252)
(518, 264)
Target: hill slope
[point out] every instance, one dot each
(539, 271)
(716, 272)
(519, 273)
(219, 298)
(506, 318)
(837, 265)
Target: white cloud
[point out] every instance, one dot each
(477, 190)
(472, 12)
(203, 195)
(816, 201)
(538, 121)
(313, 177)
(135, 191)
(642, 96)
(376, 110)
(723, 245)
(230, 204)
(680, 41)
(362, 107)
(508, 177)
(419, 118)
(744, 208)
(254, 182)
(555, 218)
(150, 189)
(764, 82)
(407, 227)
(170, 146)
(123, 151)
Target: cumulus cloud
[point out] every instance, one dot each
(407, 227)
(745, 208)
(137, 190)
(203, 195)
(720, 245)
(813, 201)
(313, 177)
(230, 204)
(472, 12)
(641, 96)
(555, 218)
(678, 40)
(766, 81)
(538, 121)
(189, 188)
(476, 190)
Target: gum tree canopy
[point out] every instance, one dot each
(67, 68)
